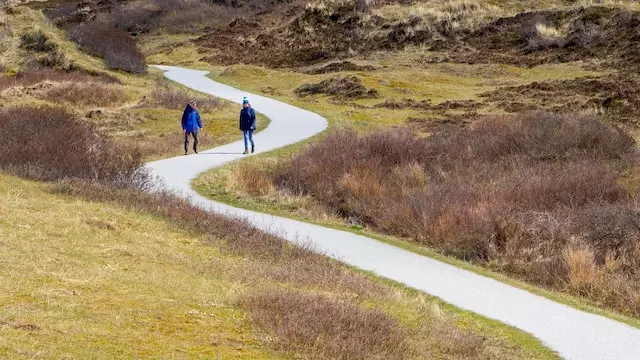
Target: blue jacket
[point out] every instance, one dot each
(191, 120)
(247, 119)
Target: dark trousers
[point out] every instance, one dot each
(186, 140)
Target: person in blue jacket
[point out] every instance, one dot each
(247, 124)
(191, 122)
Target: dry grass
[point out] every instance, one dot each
(85, 94)
(545, 36)
(582, 271)
(250, 180)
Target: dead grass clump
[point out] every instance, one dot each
(116, 46)
(49, 143)
(349, 87)
(325, 328)
(30, 78)
(249, 179)
(582, 268)
(544, 36)
(169, 98)
(511, 191)
(86, 94)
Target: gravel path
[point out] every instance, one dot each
(572, 333)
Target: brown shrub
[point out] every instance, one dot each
(349, 87)
(139, 17)
(49, 143)
(251, 180)
(30, 78)
(169, 98)
(325, 328)
(86, 94)
(116, 46)
(513, 191)
(37, 41)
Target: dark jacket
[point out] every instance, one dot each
(191, 120)
(247, 119)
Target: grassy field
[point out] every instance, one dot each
(396, 80)
(87, 279)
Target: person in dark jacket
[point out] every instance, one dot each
(191, 122)
(247, 125)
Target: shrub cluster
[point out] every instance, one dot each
(85, 94)
(48, 143)
(523, 194)
(170, 98)
(116, 46)
(330, 329)
(349, 87)
(37, 41)
(45, 52)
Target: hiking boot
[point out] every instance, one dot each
(185, 152)
(195, 151)
(246, 151)
(253, 149)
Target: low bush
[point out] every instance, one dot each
(349, 87)
(30, 78)
(325, 328)
(116, 46)
(518, 193)
(177, 99)
(48, 143)
(85, 94)
(37, 41)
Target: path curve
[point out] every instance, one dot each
(572, 333)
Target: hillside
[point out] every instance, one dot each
(94, 267)
(499, 136)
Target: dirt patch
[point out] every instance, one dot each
(349, 87)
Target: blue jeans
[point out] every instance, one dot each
(248, 137)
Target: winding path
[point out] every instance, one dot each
(572, 333)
